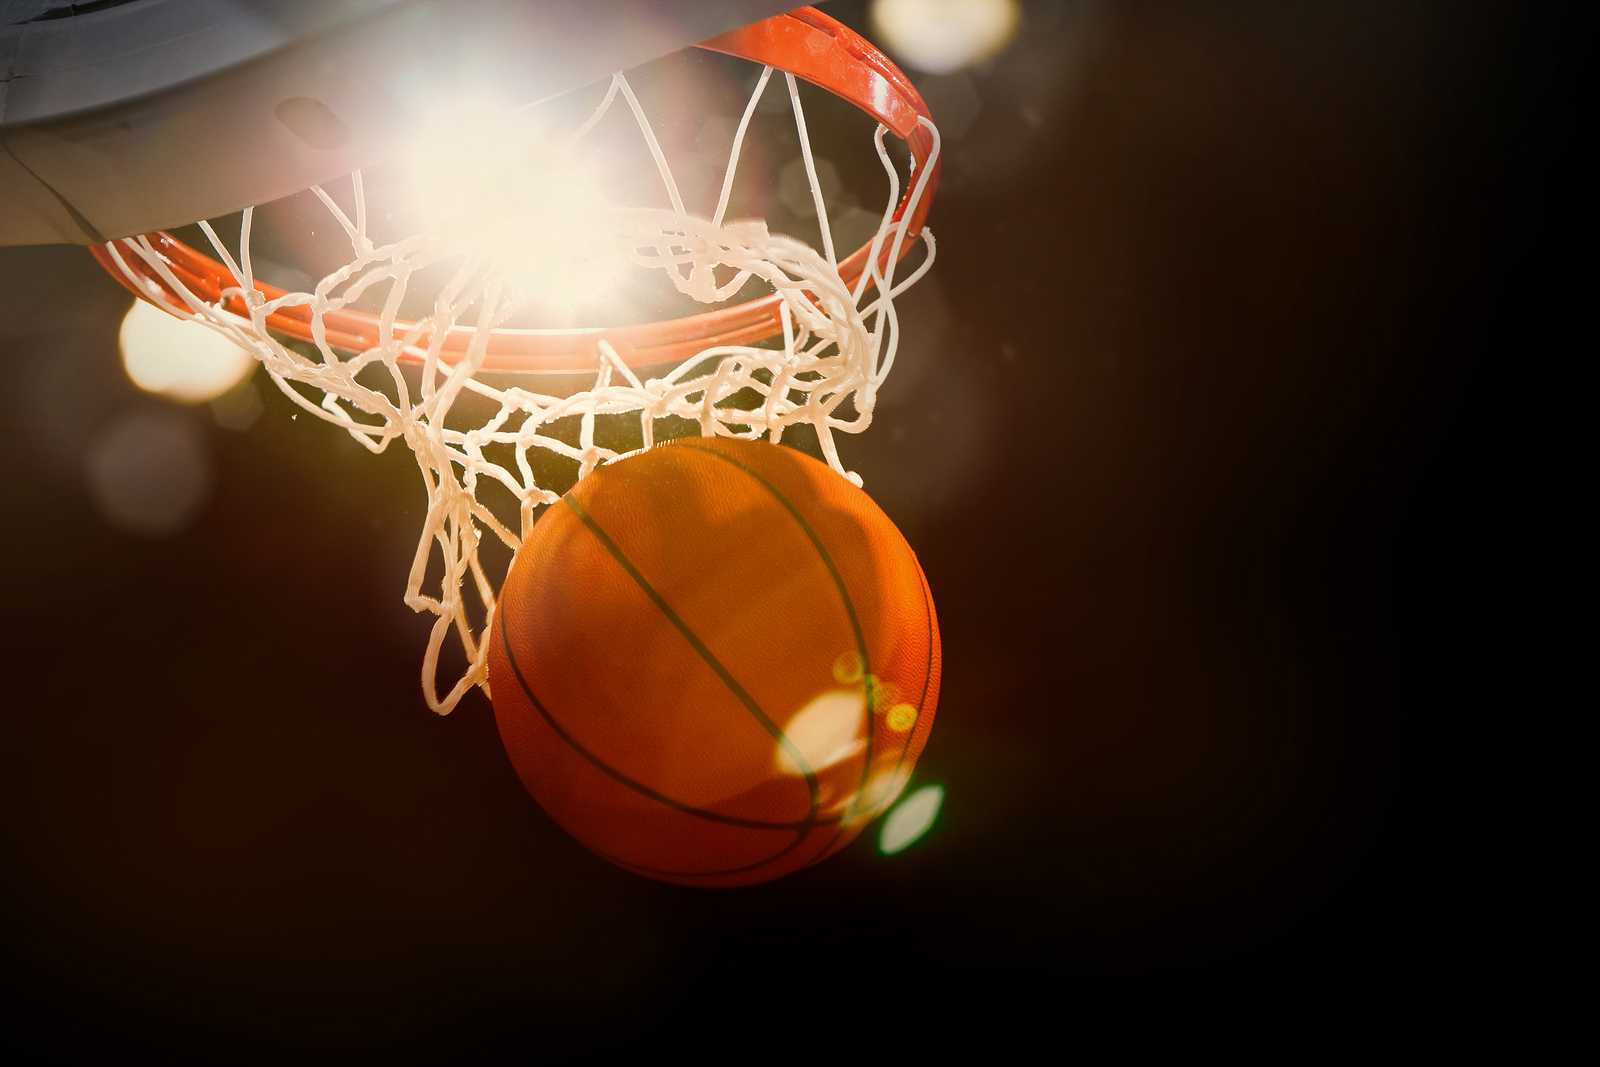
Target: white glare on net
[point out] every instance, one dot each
(489, 179)
(940, 36)
(913, 818)
(177, 358)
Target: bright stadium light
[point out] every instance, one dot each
(485, 177)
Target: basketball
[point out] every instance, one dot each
(715, 662)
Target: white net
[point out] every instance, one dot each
(838, 346)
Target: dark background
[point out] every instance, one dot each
(1186, 434)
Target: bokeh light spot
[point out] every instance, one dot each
(884, 695)
(179, 359)
(939, 36)
(238, 408)
(902, 717)
(150, 472)
(794, 187)
(847, 668)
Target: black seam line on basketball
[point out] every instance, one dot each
(797, 826)
(844, 595)
(866, 671)
(927, 677)
(927, 671)
(911, 731)
(701, 649)
(868, 688)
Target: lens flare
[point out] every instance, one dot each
(489, 179)
(909, 822)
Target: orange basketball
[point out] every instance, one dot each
(715, 662)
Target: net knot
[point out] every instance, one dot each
(656, 404)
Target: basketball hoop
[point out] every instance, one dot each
(835, 317)
(804, 43)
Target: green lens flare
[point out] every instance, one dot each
(912, 818)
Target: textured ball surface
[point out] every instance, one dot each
(714, 663)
